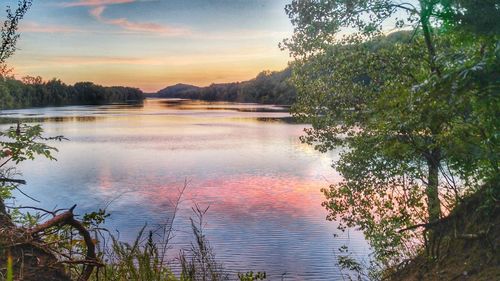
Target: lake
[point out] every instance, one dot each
(244, 161)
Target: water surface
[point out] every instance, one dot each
(245, 161)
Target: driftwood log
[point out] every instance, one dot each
(32, 259)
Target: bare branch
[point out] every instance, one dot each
(67, 218)
(2, 180)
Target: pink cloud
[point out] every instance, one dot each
(97, 12)
(38, 28)
(124, 23)
(86, 3)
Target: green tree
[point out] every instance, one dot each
(18, 144)
(410, 109)
(9, 33)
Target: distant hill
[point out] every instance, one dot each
(176, 89)
(270, 87)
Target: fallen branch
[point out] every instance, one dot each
(12, 180)
(67, 218)
(91, 262)
(58, 220)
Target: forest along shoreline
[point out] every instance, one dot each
(267, 88)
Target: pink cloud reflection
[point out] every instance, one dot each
(245, 196)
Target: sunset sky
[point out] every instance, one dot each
(151, 43)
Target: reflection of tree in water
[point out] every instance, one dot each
(287, 120)
(57, 119)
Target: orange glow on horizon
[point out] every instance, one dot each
(150, 74)
(149, 44)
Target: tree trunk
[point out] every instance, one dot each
(426, 28)
(432, 190)
(433, 202)
(5, 220)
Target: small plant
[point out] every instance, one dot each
(250, 276)
(199, 263)
(136, 261)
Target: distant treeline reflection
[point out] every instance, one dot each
(10, 120)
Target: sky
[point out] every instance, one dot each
(151, 44)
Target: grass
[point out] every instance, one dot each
(10, 270)
(144, 260)
(141, 260)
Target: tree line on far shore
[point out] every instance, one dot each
(34, 92)
(269, 87)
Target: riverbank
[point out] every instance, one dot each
(469, 244)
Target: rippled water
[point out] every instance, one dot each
(244, 161)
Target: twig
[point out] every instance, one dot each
(167, 233)
(33, 208)
(23, 193)
(426, 225)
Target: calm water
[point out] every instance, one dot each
(244, 161)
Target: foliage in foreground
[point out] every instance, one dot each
(415, 111)
(144, 259)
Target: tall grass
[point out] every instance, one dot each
(143, 260)
(199, 263)
(136, 261)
